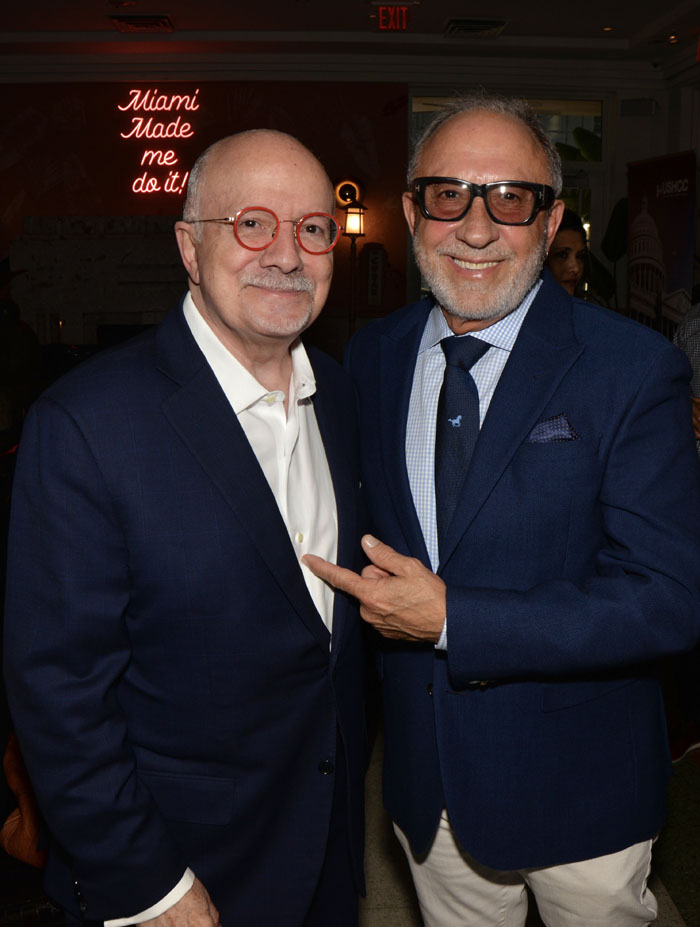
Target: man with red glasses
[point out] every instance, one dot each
(535, 496)
(187, 695)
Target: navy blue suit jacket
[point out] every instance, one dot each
(170, 679)
(571, 567)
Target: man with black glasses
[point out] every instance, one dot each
(187, 695)
(535, 496)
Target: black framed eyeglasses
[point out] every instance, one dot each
(508, 202)
(256, 227)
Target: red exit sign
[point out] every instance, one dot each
(392, 18)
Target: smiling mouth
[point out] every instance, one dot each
(473, 265)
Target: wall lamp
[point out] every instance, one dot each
(347, 195)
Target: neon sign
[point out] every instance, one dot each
(171, 123)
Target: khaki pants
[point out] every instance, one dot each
(454, 890)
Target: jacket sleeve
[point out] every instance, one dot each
(66, 648)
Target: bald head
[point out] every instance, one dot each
(256, 298)
(217, 171)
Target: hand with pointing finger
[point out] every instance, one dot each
(398, 596)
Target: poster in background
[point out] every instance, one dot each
(661, 245)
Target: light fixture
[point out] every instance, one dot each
(347, 194)
(355, 220)
(347, 191)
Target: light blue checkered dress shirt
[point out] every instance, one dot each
(422, 410)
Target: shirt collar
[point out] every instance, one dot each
(240, 386)
(501, 334)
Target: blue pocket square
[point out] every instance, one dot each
(556, 428)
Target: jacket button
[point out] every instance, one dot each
(79, 897)
(430, 688)
(326, 767)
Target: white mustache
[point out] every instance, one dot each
(270, 280)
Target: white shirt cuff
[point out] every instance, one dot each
(442, 642)
(173, 896)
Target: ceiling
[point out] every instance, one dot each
(639, 30)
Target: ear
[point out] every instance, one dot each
(409, 210)
(553, 220)
(187, 243)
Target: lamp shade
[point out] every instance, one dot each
(355, 219)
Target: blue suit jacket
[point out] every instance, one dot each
(169, 676)
(571, 567)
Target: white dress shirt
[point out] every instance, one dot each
(288, 447)
(292, 457)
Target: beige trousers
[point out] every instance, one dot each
(454, 890)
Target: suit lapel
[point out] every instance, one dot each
(395, 382)
(217, 441)
(332, 422)
(545, 349)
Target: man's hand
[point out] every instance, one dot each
(696, 416)
(400, 597)
(194, 909)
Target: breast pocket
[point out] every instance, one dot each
(534, 512)
(541, 480)
(553, 452)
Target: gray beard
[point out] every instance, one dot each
(475, 302)
(296, 283)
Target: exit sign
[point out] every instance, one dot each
(392, 18)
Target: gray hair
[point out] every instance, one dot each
(193, 197)
(491, 103)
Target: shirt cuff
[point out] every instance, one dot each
(173, 896)
(442, 642)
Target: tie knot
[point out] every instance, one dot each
(463, 351)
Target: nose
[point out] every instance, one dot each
(572, 263)
(477, 228)
(284, 252)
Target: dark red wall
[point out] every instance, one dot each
(61, 152)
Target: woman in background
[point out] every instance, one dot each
(568, 254)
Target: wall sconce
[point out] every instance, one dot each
(347, 194)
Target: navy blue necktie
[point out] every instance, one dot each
(457, 426)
